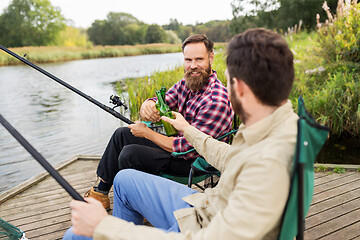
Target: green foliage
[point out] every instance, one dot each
(340, 38)
(73, 37)
(217, 31)
(333, 95)
(253, 13)
(155, 34)
(275, 14)
(117, 29)
(30, 23)
(339, 170)
(291, 12)
(172, 37)
(320, 168)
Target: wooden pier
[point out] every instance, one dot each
(40, 207)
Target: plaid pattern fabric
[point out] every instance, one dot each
(207, 109)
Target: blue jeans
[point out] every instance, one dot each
(138, 195)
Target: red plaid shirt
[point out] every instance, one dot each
(207, 109)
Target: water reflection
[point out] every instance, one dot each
(56, 121)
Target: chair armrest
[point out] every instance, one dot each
(226, 134)
(200, 164)
(177, 154)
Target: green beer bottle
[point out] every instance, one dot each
(164, 110)
(157, 104)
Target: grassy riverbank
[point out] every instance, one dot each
(59, 54)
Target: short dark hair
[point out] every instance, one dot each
(262, 59)
(198, 38)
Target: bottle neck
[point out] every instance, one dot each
(163, 108)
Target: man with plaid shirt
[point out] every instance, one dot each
(200, 97)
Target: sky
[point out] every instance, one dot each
(84, 12)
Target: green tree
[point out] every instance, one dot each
(217, 31)
(71, 37)
(275, 14)
(117, 29)
(99, 33)
(253, 13)
(172, 37)
(292, 11)
(185, 31)
(155, 34)
(174, 25)
(30, 23)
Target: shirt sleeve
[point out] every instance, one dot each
(214, 119)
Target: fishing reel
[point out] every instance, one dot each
(117, 102)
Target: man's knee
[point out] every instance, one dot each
(126, 178)
(121, 131)
(127, 156)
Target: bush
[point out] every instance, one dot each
(333, 96)
(340, 35)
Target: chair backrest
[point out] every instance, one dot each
(310, 139)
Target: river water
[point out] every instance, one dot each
(58, 122)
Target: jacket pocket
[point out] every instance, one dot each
(187, 219)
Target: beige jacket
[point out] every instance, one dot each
(251, 195)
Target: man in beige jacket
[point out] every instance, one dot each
(251, 195)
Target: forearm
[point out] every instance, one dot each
(214, 151)
(114, 228)
(162, 141)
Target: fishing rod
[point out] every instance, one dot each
(114, 99)
(38, 157)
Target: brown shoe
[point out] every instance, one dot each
(104, 199)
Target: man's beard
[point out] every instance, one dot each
(197, 82)
(237, 107)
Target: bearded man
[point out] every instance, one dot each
(200, 97)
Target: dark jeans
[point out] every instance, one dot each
(124, 150)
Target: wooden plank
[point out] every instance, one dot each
(336, 190)
(329, 176)
(335, 181)
(326, 228)
(334, 202)
(349, 232)
(332, 213)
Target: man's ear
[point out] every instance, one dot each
(239, 87)
(211, 57)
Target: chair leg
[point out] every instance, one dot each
(190, 177)
(199, 186)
